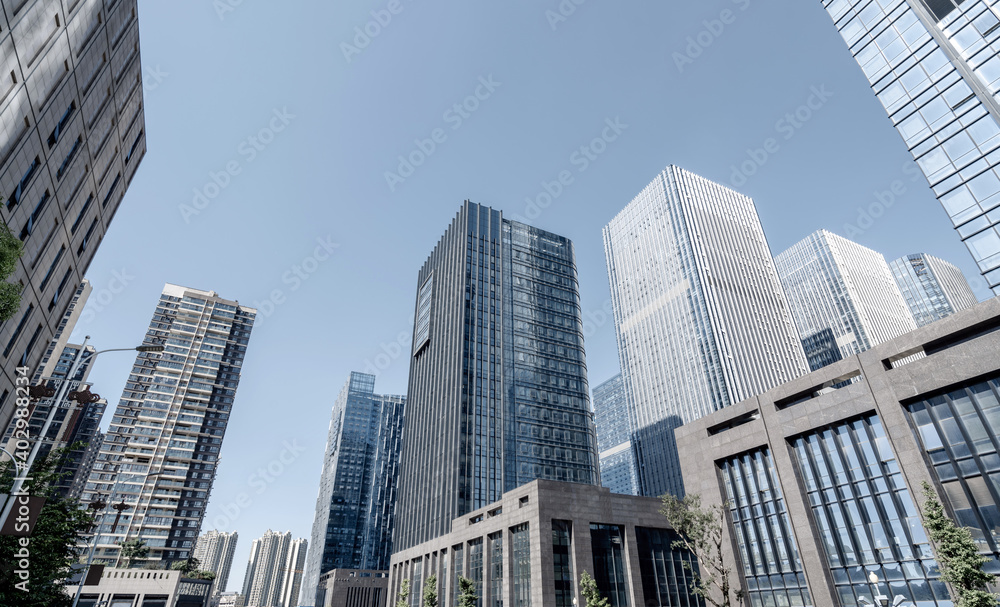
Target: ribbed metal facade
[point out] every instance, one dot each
(498, 392)
(836, 284)
(934, 66)
(932, 288)
(700, 316)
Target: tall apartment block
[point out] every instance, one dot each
(823, 478)
(931, 65)
(352, 528)
(843, 297)
(932, 288)
(274, 570)
(700, 316)
(498, 392)
(214, 551)
(71, 138)
(166, 434)
(614, 438)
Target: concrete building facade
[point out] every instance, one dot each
(843, 453)
(144, 588)
(355, 588)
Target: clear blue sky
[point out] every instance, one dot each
(215, 78)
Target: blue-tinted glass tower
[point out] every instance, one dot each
(353, 524)
(498, 392)
(614, 437)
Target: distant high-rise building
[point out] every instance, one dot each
(614, 437)
(498, 392)
(932, 288)
(214, 551)
(930, 63)
(352, 528)
(843, 297)
(700, 316)
(274, 570)
(72, 134)
(166, 434)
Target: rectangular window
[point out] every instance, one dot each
(135, 144)
(33, 218)
(520, 541)
(17, 331)
(496, 570)
(22, 186)
(562, 564)
(608, 543)
(476, 567)
(86, 238)
(458, 553)
(61, 126)
(83, 211)
(111, 190)
(52, 268)
(423, 325)
(69, 158)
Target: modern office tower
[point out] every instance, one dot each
(932, 288)
(930, 65)
(700, 316)
(292, 573)
(352, 528)
(843, 297)
(161, 451)
(274, 569)
(214, 551)
(614, 438)
(71, 138)
(498, 392)
(823, 477)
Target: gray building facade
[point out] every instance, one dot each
(845, 460)
(931, 65)
(498, 392)
(614, 438)
(72, 134)
(530, 548)
(700, 316)
(932, 287)
(352, 528)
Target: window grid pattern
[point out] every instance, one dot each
(562, 564)
(932, 288)
(608, 544)
(496, 570)
(476, 567)
(767, 549)
(521, 565)
(960, 434)
(667, 572)
(865, 515)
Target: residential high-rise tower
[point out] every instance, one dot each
(700, 316)
(498, 392)
(932, 288)
(274, 570)
(214, 551)
(352, 528)
(931, 63)
(163, 446)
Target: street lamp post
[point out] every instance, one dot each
(63, 388)
(881, 600)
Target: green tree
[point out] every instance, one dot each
(957, 555)
(11, 250)
(133, 550)
(430, 591)
(467, 596)
(186, 566)
(202, 575)
(403, 598)
(591, 595)
(61, 525)
(701, 533)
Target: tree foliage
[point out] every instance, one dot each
(701, 532)
(11, 250)
(187, 566)
(467, 596)
(591, 595)
(52, 546)
(430, 591)
(133, 550)
(957, 555)
(403, 598)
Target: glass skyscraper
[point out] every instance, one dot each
(843, 297)
(352, 528)
(498, 392)
(170, 421)
(700, 315)
(614, 437)
(932, 288)
(934, 66)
